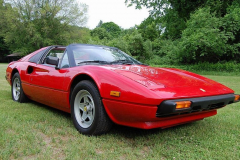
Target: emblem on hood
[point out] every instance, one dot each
(202, 90)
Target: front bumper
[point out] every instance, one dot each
(168, 107)
(7, 77)
(145, 117)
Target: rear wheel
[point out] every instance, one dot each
(17, 91)
(88, 114)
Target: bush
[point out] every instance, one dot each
(202, 40)
(101, 33)
(119, 43)
(147, 47)
(165, 52)
(218, 67)
(209, 38)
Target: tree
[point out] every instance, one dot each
(203, 30)
(37, 23)
(78, 35)
(4, 49)
(209, 38)
(67, 11)
(149, 29)
(202, 40)
(173, 14)
(137, 45)
(99, 23)
(101, 33)
(113, 29)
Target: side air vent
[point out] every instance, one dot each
(29, 69)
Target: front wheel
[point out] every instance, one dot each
(17, 91)
(88, 114)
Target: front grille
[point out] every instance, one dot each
(168, 108)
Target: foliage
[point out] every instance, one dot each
(176, 32)
(113, 29)
(217, 67)
(202, 40)
(99, 23)
(173, 14)
(100, 33)
(147, 49)
(119, 43)
(78, 35)
(210, 38)
(170, 14)
(108, 30)
(165, 52)
(4, 50)
(136, 42)
(201, 31)
(149, 29)
(41, 23)
(206, 68)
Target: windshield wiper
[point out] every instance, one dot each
(122, 62)
(94, 61)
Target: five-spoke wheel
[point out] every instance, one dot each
(17, 91)
(84, 108)
(87, 110)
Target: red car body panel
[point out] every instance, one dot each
(143, 116)
(142, 89)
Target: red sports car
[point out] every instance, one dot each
(100, 85)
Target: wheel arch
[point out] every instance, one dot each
(15, 70)
(79, 78)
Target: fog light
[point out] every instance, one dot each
(183, 104)
(236, 98)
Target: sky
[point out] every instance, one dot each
(113, 11)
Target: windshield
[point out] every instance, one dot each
(102, 55)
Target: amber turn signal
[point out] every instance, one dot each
(183, 104)
(115, 93)
(236, 98)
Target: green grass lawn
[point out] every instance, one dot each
(34, 131)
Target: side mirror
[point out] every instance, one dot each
(52, 60)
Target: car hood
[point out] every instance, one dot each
(159, 79)
(163, 77)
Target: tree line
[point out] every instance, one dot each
(176, 31)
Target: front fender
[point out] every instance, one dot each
(107, 80)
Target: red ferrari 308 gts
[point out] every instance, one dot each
(100, 85)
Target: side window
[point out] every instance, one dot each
(36, 57)
(55, 52)
(65, 62)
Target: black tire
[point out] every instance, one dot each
(16, 89)
(87, 111)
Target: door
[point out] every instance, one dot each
(46, 81)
